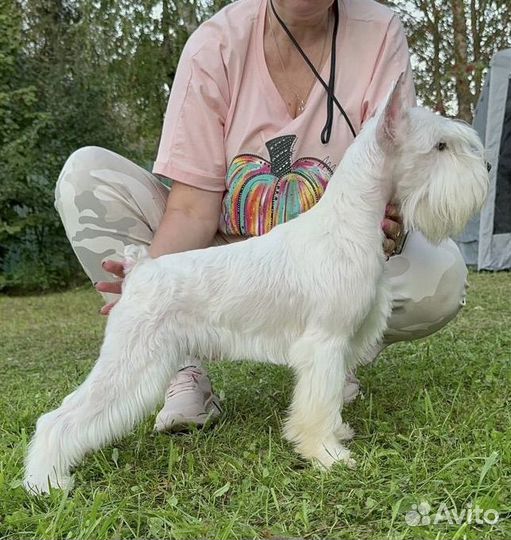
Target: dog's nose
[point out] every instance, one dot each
(488, 166)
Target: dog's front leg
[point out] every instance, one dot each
(314, 424)
(137, 359)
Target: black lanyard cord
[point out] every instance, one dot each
(331, 99)
(327, 130)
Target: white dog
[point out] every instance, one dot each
(311, 294)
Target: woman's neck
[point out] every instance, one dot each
(307, 25)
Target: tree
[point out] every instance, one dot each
(52, 102)
(76, 73)
(452, 43)
(22, 123)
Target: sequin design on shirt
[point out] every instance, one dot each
(261, 193)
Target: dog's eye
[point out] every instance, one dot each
(441, 146)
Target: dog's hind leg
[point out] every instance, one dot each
(137, 359)
(314, 424)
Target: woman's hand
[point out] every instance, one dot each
(392, 226)
(190, 222)
(116, 268)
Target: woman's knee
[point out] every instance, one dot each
(94, 178)
(87, 157)
(75, 174)
(429, 289)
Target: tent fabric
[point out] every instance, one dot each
(502, 216)
(486, 241)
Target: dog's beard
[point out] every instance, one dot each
(442, 207)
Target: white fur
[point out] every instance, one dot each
(311, 294)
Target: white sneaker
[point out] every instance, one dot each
(189, 401)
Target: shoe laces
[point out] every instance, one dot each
(186, 380)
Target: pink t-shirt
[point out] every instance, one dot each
(228, 129)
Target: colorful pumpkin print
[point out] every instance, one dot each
(261, 193)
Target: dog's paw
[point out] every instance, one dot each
(326, 453)
(330, 453)
(41, 485)
(344, 432)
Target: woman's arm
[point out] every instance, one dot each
(190, 222)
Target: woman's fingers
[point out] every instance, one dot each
(114, 287)
(105, 310)
(392, 226)
(388, 246)
(392, 229)
(114, 267)
(392, 212)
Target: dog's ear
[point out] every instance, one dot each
(392, 117)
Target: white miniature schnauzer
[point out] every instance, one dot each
(311, 294)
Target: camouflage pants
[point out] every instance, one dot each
(106, 202)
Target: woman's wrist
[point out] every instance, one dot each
(180, 231)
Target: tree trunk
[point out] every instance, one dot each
(463, 94)
(437, 66)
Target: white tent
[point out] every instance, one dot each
(486, 242)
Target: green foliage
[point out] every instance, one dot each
(21, 123)
(447, 50)
(75, 73)
(46, 106)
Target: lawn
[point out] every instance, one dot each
(433, 427)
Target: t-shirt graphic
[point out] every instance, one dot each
(263, 193)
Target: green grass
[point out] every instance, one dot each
(434, 425)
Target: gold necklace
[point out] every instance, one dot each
(301, 100)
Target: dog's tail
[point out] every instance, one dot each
(133, 255)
